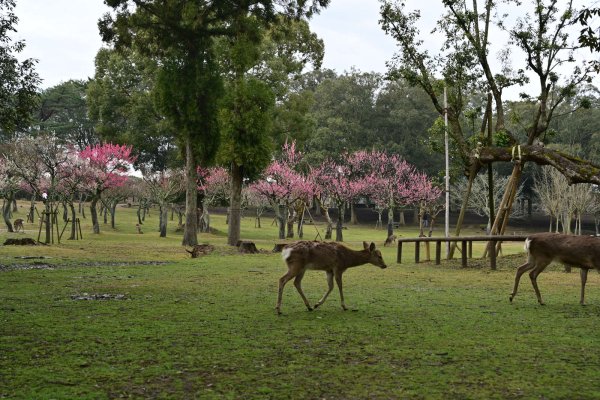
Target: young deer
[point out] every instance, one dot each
(333, 258)
(543, 248)
(18, 225)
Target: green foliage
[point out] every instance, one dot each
(63, 112)
(121, 104)
(502, 139)
(188, 94)
(246, 118)
(18, 79)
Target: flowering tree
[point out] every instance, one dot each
(109, 164)
(282, 187)
(335, 181)
(164, 187)
(215, 186)
(427, 196)
(257, 201)
(388, 181)
(36, 161)
(74, 177)
(9, 186)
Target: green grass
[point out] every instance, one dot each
(206, 328)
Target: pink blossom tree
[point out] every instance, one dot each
(335, 180)
(427, 196)
(214, 184)
(282, 187)
(109, 163)
(74, 177)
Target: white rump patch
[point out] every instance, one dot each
(285, 253)
(527, 243)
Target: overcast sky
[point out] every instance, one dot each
(63, 35)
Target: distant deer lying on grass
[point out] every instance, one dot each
(333, 258)
(543, 248)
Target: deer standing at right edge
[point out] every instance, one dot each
(333, 258)
(542, 248)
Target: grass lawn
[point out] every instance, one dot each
(121, 315)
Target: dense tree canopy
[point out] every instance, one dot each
(18, 79)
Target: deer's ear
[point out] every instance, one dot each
(372, 247)
(366, 245)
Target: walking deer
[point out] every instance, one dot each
(542, 248)
(333, 258)
(18, 225)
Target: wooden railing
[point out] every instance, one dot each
(466, 248)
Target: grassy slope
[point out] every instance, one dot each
(206, 327)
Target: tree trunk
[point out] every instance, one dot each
(290, 222)
(505, 206)
(164, 215)
(325, 213)
(463, 209)
(113, 211)
(48, 217)
(280, 212)
(73, 221)
(190, 237)
(390, 224)
(235, 208)
(94, 214)
(6, 213)
(353, 216)
(339, 236)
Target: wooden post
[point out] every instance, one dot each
(417, 250)
(464, 253)
(399, 257)
(470, 249)
(438, 252)
(493, 255)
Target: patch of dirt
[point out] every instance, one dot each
(35, 265)
(104, 296)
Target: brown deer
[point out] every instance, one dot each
(543, 248)
(18, 225)
(390, 240)
(333, 258)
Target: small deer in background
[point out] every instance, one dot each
(18, 225)
(543, 248)
(391, 239)
(333, 258)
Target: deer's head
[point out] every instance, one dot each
(375, 257)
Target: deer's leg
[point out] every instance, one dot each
(533, 276)
(520, 271)
(298, 285)
(282, 281)
(338, 280)
(583, 272)
(330, 288)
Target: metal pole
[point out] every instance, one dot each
(447, 216)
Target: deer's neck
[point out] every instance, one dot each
(353, 258)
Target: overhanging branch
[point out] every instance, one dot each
(575, 169)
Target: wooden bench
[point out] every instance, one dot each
(466, 242)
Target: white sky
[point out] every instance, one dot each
(63, 35)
